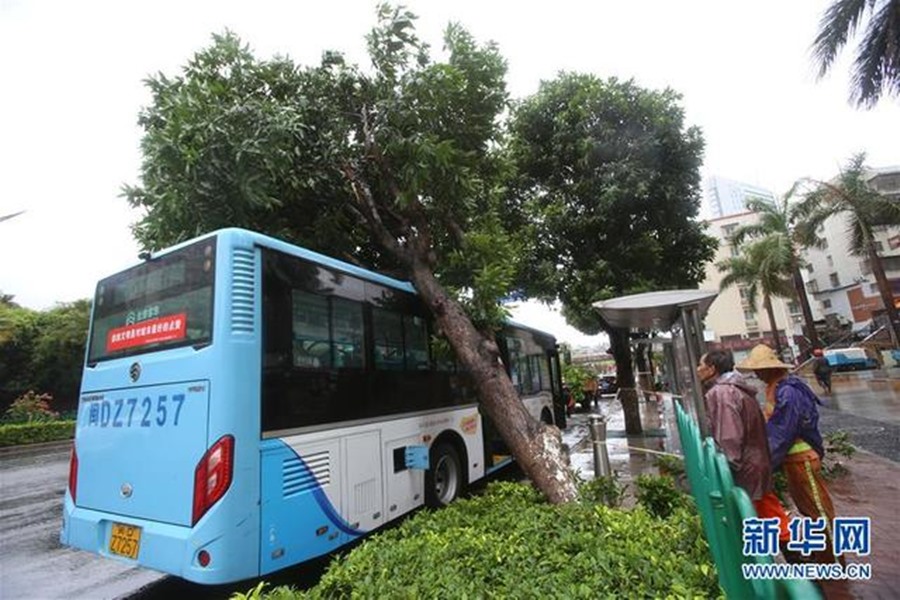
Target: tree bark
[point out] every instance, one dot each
(767, 303)
(536, 447)
(809, 323)
(620, 348)
(887, 296)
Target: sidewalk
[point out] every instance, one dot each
(870, 489)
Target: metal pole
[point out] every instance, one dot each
(693, 340)
(598, 440)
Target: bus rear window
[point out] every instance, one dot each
(161, 304)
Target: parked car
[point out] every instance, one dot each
(850, 359)
(608, 384)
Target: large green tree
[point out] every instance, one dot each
(762, 267)
(781, 222)
(398, 165)
(849, 196)
(42, 351)
(609, 174)
(876, 66)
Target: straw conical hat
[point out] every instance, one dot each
(762, 357)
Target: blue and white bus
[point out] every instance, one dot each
(248, 405)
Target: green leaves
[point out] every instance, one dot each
(876, 68)
(610, 174)
(509, 544)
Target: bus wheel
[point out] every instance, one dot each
(444, 481)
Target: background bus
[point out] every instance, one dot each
(247, 405)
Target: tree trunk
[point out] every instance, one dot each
(809, 324)
(767, 303)
(644, 378)
(536, 447)
(621, 350)
(887, 296)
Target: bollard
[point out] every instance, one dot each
(598, 439)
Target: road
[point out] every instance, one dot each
(33, 564)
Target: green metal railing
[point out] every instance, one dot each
(723, 507)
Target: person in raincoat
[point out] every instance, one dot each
(738, 427)
(795, 443)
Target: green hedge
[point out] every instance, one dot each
(14, 434)
(509, 543)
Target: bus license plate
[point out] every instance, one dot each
(125, 540)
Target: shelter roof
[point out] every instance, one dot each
(652, 310)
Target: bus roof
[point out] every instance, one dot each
(322, 259)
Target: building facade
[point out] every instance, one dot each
(725, 197)
(735, 324)
(841, 287)
(842, 284)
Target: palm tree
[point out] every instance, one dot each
(866, 211)
(876, 68)
(778, 222)
(761, 268)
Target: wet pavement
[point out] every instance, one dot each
(33, 564)
(867, 405)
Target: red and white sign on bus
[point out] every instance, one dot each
(153, 331)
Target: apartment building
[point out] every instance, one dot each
(841, 284)
(735, 323)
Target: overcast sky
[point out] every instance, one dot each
(72, 87)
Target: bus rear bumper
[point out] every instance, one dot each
(163, 547)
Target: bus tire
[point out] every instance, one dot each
(444, 480)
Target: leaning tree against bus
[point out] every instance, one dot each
(405, 156)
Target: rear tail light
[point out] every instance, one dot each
(212, 477)
(73, 473)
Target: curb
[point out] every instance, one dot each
(40, 448)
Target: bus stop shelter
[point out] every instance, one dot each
(679, 312)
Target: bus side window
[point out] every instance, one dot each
(312, 339)
(387, 329)
(416, 343)
(348, 331)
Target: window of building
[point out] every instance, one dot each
(835, 281)
(826, 304)
(727, 230)
(812, 285)
(829, 260)
(879, 247)
(809, 267)
(891, 263)
(793, 307)
(864, 267)
(749, 315)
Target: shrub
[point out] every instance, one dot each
(509, 543)
(602, 490)
(670, 465)
(15, 434)
(837, 448)
(659, 495)
(30, 408)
